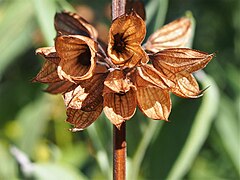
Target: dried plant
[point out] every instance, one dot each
(124, 75)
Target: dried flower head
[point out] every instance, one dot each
(120, 79)
(78, 57)
(125, 37)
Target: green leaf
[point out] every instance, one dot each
(152, 129)
(193, 26)
(156, 10)
(32, 120)
(45, 11)
(151, 9)
(76, 155)
(8, 167)
(65, 5)
(54, 171)
(16, 30)
(161, 14)
(227, 126)
(96, 132)
(199, 131)
(232, 74)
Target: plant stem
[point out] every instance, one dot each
(151, 130)
(118, 8)
(119, 134)
(119, 152)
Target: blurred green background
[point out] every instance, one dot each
(202, 140)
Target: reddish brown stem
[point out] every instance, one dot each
(119, 152)
(119, 135)
(118, 8)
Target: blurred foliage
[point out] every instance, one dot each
(200, 142)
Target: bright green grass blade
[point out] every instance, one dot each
(16, 29)
(152, 129)
(45, 11)
(65, 5)
(199, 131)
(56, 171)
(33, 119)
(100, 145)
(161, 14)
(8, 167)
(227, 126)
(151, 9)
(156, 11)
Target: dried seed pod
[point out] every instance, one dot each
(173, 35)
(151, 76)
(175, 60)
(78, 57)
(87, 95)
(117, 82)
(125, 37)
(94, 88)
(74, 98)
(82, 119)
(154, 102)
(47, 74)
(59, 87)
(67, 23)
(177, 64)
(119, 107)
(49, 54)
(186, 86)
